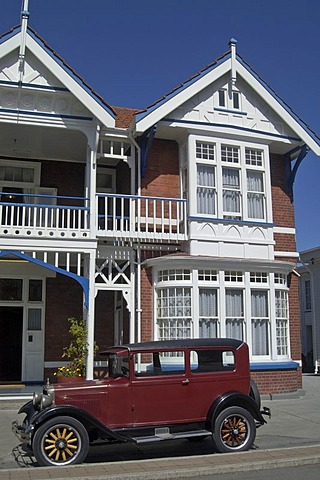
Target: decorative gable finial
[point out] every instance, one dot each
(24, 24)
(232, 44)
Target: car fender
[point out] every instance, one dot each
(235, 399)
(87, 420)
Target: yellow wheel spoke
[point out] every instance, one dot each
(74, 447)
(72, 440)
(64, 433)
(69, 452)
(53, 452)
(64, 457)
(57, 455)
(53, 436)
(49, 447)
(68, 436)
(47, 440)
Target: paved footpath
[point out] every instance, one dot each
(178, 467)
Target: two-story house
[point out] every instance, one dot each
(309, 271)
(176, 221)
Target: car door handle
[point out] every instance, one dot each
(186, 381)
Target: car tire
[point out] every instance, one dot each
(254, 393)
(60, 441)
(234, 430)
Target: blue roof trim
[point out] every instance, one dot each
(183, 86)
(84, 282)
(272, 92)
(63, 64)
(226, 125)
(34, 85)
(9, 34)
(289, 365)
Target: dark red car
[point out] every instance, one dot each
(153, 392)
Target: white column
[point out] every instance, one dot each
(90, 274)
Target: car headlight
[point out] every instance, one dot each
(36, 399)
(45, 402)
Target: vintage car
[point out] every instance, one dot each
(152, 392)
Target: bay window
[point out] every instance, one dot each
(230, 181)
(251, 306)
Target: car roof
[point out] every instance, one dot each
(178, 344)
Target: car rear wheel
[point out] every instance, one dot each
(60, 441)
(234, 430)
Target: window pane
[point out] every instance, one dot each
(307, 288)
(10, 289)
(230, 154)
(34, 319)
(35, 290)
(205, 361)
(222, 100)
(159, 363)
(260, 322)
(234, 314)
(208, 313)
(206, 191)
(235, 96)
(174, 313)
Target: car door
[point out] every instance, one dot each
(160, 393)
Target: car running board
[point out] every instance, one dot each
(164, 434)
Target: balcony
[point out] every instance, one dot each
(120, 217)
(131, 217)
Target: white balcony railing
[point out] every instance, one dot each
(119, 216)
(145, 218)
(39, 216)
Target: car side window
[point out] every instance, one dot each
(207, 361)
(152, 364)
(118, 366)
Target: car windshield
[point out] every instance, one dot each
(118, 365)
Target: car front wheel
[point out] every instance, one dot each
(60, 441)
(234, 430)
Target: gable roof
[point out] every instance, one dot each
(10, 40)
(162, 107)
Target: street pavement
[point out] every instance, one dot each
(291, 438)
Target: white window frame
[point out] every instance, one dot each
(218, 164)
(35, 166)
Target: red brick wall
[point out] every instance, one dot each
(283, 208)
(67, 178)
(162, 175)
(70, 296)
(276, 381)
(64, 299)
(285, 242)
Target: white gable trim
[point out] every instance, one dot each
(66, 79)
(100, 113)
(278, 108)
(170, 105)
(9, 45)
(162, 111)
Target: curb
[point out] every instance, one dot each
(175, 467)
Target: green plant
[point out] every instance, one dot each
(77, 351)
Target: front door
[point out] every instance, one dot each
(34, 345)
(11, 326)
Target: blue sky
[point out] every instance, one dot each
(133, 51)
